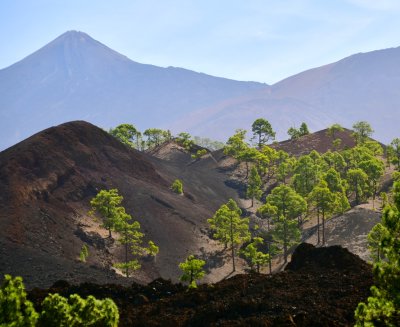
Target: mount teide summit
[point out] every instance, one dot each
(76, 77)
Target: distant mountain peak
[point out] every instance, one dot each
(76, 77)
(75, 37)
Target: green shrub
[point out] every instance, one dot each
(84, 253)
(58, 311)
(199, 154)
(177, 186)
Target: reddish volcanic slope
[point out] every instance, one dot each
(319, 141)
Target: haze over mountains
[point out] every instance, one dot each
(75, 77)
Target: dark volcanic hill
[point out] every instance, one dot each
(47, 181)
(76, 77)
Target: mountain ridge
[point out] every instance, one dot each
(75, 77)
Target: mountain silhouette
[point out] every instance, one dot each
(76, 77)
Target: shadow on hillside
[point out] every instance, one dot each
(239, 186)
(215, 259)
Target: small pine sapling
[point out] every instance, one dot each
(192, 270)
(84, 253)
(255, 257)
(177, 186)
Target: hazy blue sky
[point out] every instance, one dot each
(261, 40)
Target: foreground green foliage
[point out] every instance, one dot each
(383, 306)
(192, 270)
(76, 311)
(17, 311)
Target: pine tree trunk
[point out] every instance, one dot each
(285, 242)
(233, 249)
(269, 259)
(318, 226)
(233, 258)
(126, 260)
(323, 227)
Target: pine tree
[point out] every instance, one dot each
(254, 186)
(106, 203)
(192, 270)
(132, 239)
(254, 256)
(127, 134)
(229, 227)
(262, 131)
(286, 205)
(287, 233)
(375, 237)
(383, 306)
(358, 179)
(374, 168)
(325, 202)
